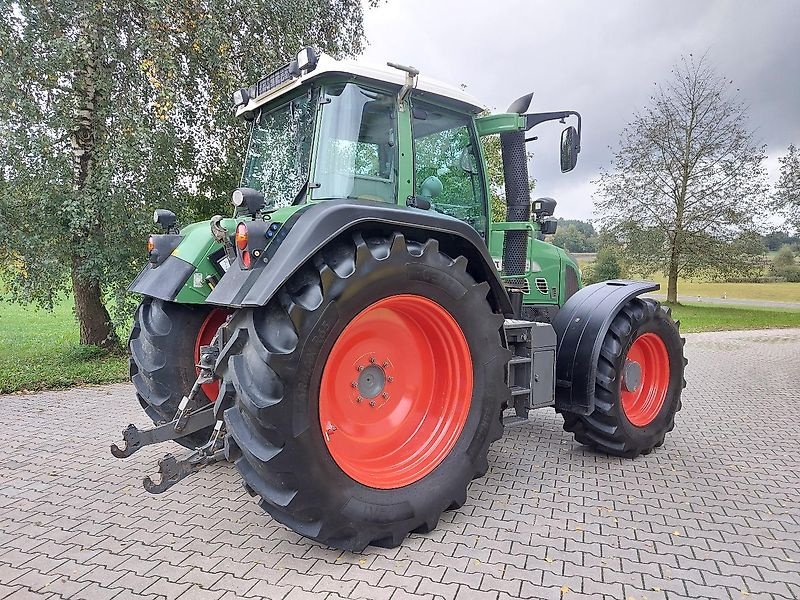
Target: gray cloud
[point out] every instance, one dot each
(600, 58)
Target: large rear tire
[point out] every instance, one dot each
(164, 349)
(367, 391)
(639, 383)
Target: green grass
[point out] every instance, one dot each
(40, 350)
(706, 317)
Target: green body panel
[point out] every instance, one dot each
(499, 123)
(198, 244)
(195, 247)
(545, 261)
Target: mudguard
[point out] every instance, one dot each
(312, 227)
(163, 281)
(580, 327)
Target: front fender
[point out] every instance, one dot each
(580, 327)
(310, 228)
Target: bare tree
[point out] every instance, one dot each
(787, 191)
(686, 180)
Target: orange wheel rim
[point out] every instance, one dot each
(645, 379)
(207, 330)
(396, 391)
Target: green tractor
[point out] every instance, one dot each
(359, 332)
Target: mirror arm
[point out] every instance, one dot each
(534, 119)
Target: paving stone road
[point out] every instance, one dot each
(715, 513)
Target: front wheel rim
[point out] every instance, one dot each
(396, 391)
(644, 389)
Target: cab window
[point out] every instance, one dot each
(357, 150)
(446, 164)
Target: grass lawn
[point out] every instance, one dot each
(40, 350)
(694, 317)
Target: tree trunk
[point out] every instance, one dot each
(95, 323)
(672, 276)
(93, 319)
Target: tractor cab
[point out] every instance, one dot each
(323, 129)
(340, 130)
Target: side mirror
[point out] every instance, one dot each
(431, 187)
(570, 146)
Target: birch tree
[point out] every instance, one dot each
(109, 108)
(686, 180)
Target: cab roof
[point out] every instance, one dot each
(327, 65)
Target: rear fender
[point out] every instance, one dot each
(183, 276)
(580, 327)
(312, 227)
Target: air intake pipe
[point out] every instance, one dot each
(518, 194)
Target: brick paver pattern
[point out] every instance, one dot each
(715, 513)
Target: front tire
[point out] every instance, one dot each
(350, 472)
(639, 383)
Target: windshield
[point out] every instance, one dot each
(277, 160)
(357, 151)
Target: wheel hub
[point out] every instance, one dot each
(632, 375)
(371, 381)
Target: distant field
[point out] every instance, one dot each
(695, 318)
(40, 350)
(583, 258)
(775, 292)
(687, 288)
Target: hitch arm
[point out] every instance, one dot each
(135, 438)
(173, 470)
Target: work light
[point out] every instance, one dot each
(307, 59)
(165, 218)
(241, 97)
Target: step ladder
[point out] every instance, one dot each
(530, 374)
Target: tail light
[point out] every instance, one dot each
(241, 236)
(251, 239)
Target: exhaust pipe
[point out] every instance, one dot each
(518, 194)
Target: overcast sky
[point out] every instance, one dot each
(599, 58)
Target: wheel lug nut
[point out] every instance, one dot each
(360, 367)
(372, 359)
(372, 402)
(354, 384)
(385, 363)
(385, 395)
(390, 379)
(359, 399)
